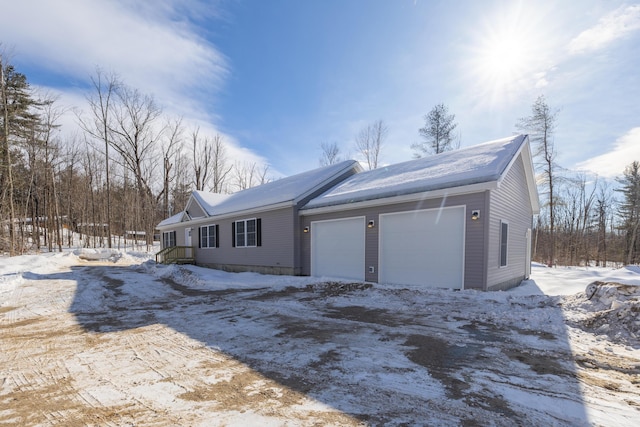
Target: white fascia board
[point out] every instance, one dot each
(506, 170)
(355, 166)
(174, 224)
(531, 179)
(415, 197)
(195, 199)
(525, 152)
(240, 214)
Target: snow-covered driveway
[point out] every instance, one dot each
(133, 343)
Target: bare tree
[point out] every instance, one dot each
(221, 169)
(49, 117)
(209, 162)
(202, 159)
(135, 137)
(437, 133)
(330, 153)
(72, 158)
(244, 174)
(98, 125)
(540, 125)
(170, 148)
(369, 142)
(247, 175)
(604, 200)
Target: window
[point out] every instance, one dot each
(168, 239)
(504, 238)
(209, 236)
(247, 233)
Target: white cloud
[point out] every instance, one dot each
(625, 150)
(158, 53)
(615, 25)
(152, 46)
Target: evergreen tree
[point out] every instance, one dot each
(437, 132)
(16, 119)
(630, 210)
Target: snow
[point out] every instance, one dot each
(119, 340)
(472, 165)
(288, 189)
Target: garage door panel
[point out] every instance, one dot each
(423, 248)
(337, 248)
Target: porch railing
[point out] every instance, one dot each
(176, 255)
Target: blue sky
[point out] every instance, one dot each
(279, 77)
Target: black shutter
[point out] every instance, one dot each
(259, 232)
(217, 236)
(233, 234)
(199, 237)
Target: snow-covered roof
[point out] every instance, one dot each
(207, 200)
(472, 165)
(285, 190)
(171, 220)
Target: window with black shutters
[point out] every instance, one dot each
(247, 233)
(168, 239)
(209, 236)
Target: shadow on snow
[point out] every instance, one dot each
(380, 355)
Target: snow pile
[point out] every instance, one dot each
(608, 308)
(98, 254)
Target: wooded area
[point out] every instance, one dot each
(128, 166)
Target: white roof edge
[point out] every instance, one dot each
(528, 171)
(192, 197)
(240, 213)
(413, 197)
(352, 164)
(527, 159)
(513, 159)
(171, 221)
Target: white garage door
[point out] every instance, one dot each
(337, 248)
(423, 248)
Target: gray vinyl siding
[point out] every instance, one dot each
(474, 238)
(194, 209)
(276, 255)
(509, 203)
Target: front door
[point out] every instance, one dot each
(187, 236)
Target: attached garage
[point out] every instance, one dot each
(338, 248)
(423, 247)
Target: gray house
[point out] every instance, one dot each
(257, 229)
(459, 220)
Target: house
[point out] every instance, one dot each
(257, 229)
(460, 219)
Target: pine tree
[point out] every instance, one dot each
(630, 210)
(16, 117)
(437, 132)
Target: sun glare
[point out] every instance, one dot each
(502, 59)
(506, 55)
(501, 62)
